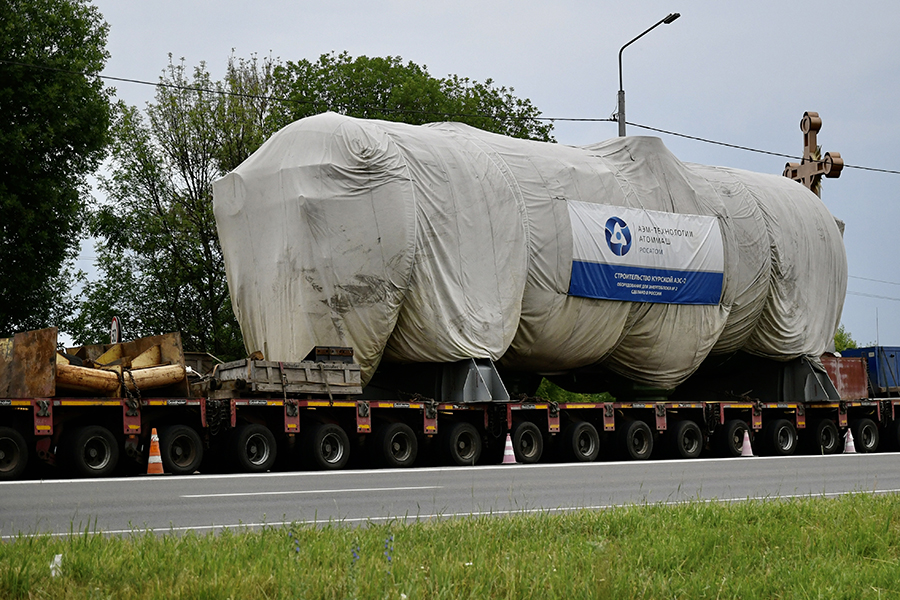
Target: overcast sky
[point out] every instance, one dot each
(736, 72)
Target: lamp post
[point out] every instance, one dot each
(620, 116)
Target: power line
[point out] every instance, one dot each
(445, 115)
(875, 280)
(873, 296)
(757, 150)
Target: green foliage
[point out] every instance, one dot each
(160, 259)
(53, 131)
(842, 339)
(550, 391)
(847, 547)
(387, 89)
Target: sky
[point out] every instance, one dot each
(741, 73)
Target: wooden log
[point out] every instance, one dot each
(154, 377)
(84, 379)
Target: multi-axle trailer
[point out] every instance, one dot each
(255, 415)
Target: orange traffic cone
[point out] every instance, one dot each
(849, 448)
(154, 463)
(509, 455)
(746, 449)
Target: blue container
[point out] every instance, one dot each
(883, 364)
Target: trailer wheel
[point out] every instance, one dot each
(397, 445)
(462, 444)
(865, 435)
(636, 440)
(13, 454)
(781, 437)
(687, 439)
(91, 451)
(253, 448)
(528, 444)
(825, 437)
(328, 447)
(730, 441)
(181, 449)
(580, 442)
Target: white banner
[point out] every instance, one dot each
(640, 255)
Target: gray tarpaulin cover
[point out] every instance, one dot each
(442, 242)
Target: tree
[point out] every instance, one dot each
(843, 340)
(159, 257)
(388, 89)
(53, 132)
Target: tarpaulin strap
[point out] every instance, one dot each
(283, 380)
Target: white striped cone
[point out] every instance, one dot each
(509, 455)
(746, 449)
(154, 462)
(849, 448)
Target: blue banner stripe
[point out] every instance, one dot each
(637, 284)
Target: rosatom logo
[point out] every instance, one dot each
(618, 237)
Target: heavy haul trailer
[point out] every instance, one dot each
(461, 413)
(90, 410)
(254, 415)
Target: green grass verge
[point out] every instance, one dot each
(807, 548)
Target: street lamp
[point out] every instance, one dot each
(620, 116)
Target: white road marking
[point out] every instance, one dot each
(163, 479)
(335, 491)
(427, 517)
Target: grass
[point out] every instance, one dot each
(804, 548)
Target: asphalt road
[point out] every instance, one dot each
(211, 502)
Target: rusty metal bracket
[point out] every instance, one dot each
(553, 424)
(842, 414)
(291, 416)
(290, 408)
(756, 414)
(609, 416)
(43, 416)
(363, 417)
(430, 425)
(660, 411)
(553, 408)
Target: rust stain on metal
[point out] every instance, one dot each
(28, 364)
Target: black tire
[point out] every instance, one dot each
(823, 437)
(730, 438)
(895, 427)
(635, 440)
(527, 442)
(462, 444)
(687, 439)
(90, 451)
(181, 449)
(396, 445)
(580, 442)
(13, 454)
(865, 435)
(781, 438)
(253, 448)
(327, 447)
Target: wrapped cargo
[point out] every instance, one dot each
(440, 243)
